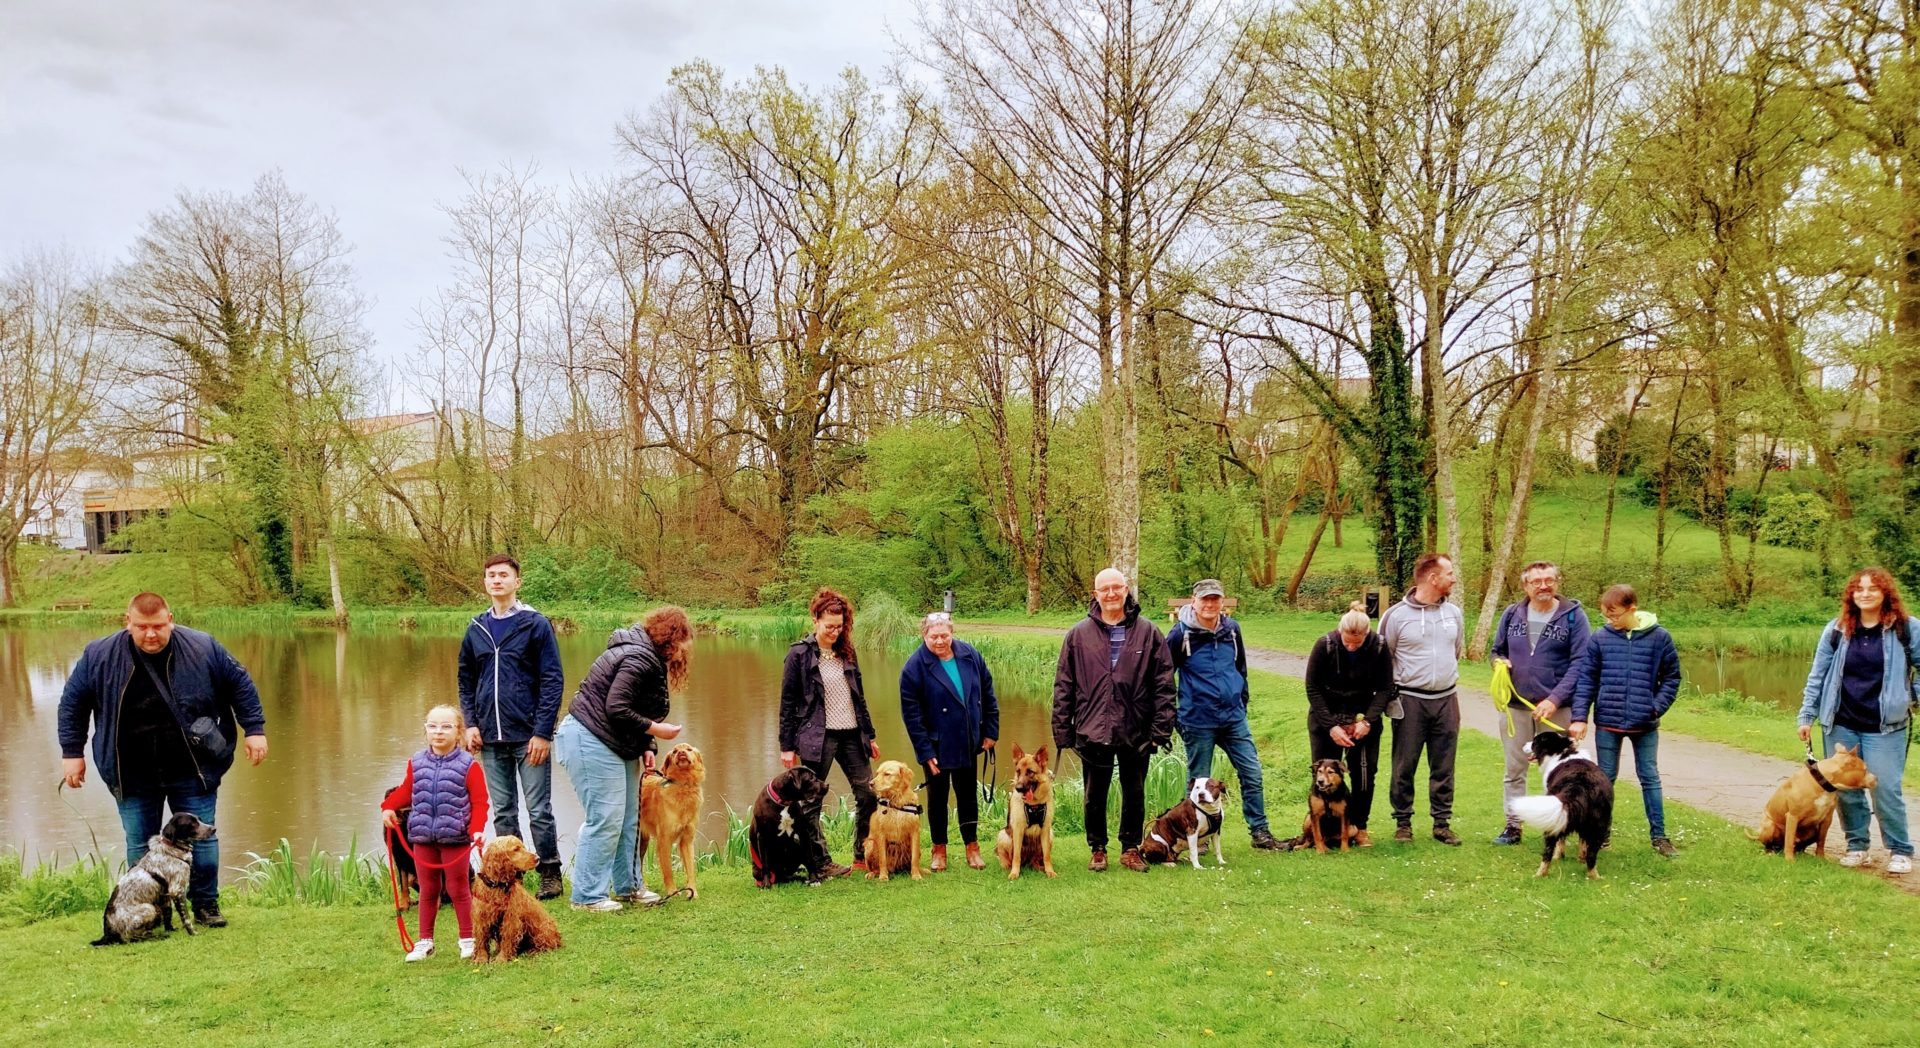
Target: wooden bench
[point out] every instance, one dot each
(72, 604)
(1174, 604)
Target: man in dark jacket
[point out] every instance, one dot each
(166, 703)
(510, 691)
(1114, 702)
(1211, 658)
(1540, 639)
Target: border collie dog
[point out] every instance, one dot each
(1579, 799)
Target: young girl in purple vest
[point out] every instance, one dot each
(446, 795)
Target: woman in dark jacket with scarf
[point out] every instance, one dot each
(823, 715)
(947, 702)
(1349, 685)
(617, 714)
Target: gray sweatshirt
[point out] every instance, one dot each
(1426, 641)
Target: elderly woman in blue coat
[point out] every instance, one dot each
(947, 702)
(1861, 691)
(1625, 682)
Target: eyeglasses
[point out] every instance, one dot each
(936, 617)
(432, 725)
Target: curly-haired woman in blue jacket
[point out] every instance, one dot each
(1626, 681)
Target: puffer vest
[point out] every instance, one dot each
(442, 808)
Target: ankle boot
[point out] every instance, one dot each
(974, 861)
(939, 863)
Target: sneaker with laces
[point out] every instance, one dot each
(1403, 833)
(1900, 865)
(1133, 860)
(1510, 835)
(1664, 847)
(1263, 840)
(1855, 859)
(642, 896)
(422, 949)
(832, 870)
(602, 906)
(1098, 864)
(466, 949)
(1445, 835)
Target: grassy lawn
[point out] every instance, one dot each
(1417, 944)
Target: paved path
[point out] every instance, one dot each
(1731, 783)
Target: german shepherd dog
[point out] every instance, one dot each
(1326, 811)
(1027, 839)
(1579, 799)
(155, 888)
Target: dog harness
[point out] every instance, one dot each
(1200, 832)
(910, 809)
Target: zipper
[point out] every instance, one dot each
(119, 712)
(499, 734)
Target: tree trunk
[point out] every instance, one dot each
(1666, 484)
(333, 581)
(1313, 544)
(1613, 471)
(1516, 509)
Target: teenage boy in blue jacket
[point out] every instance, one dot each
(1211, 658)
(510, 690)
(1541, 639)
(1626, 682)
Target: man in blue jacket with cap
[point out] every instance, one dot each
(1211, 658)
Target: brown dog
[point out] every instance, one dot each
(1189, 825)
(504, 915)
(1800, 811)
(1027, 839)
(670, 800)
(893, 833)
(1326, 810)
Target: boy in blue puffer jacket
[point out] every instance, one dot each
(1627, 680)
(1211, 659)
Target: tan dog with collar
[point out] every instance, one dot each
(893, 831)
(1800, 811)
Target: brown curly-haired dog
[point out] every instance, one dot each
(504, 915)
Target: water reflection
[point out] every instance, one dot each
(344, 712)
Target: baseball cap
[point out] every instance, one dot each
(1208, 588)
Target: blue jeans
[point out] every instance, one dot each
(141, 817)
(507, 771)
(1237, 740)
(1885, 754)
(1646, 768)
(609, 791)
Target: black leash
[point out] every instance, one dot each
(985, 767)
(662, 901)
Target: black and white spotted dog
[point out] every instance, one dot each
(150, 893)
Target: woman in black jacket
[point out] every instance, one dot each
(1349, 684)
(823, 714)
(617, 714)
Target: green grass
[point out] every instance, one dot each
(1410, 944)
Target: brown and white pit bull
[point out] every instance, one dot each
(1192, 822)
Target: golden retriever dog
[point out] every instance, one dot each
(504, 915)
(1027, 839)
(893, 834)
(670, 799)
(1799, 812)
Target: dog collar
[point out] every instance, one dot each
(774, 795)
(1814, 770)
(910, 809)
(497, 885)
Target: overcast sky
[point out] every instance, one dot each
(109, 107)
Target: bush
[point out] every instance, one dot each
(595, 575)
(1796, 520)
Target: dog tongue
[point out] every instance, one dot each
(1028, 795)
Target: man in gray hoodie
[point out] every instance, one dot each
(1424, 634)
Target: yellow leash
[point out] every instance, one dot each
(1504, 696)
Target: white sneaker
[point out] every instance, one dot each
(466, 949)
(603, 906)
(645, 896)
(1900, 864)
(422, 949)
(1855, 859)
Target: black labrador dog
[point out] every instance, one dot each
(155, 888)
(786, 819)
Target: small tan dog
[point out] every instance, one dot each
(504, 915)
(893, 833)
(670, 800)
(1800, 811)
(1027, 839)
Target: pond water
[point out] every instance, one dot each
(344, 712)
(1778, 679)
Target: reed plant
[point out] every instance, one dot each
(50, 890)
(278, 878)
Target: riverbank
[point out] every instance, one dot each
(1421, 944)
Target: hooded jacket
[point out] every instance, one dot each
(1542, 669)
(1627, 680)
(1132, 704)
(1425, 640)
(803, 703)
(1342, 683)
(511, 683)
(208, 691)
(1899, 689)
(623, 693)
(1212, 664)
(944, 725)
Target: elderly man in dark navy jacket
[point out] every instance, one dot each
(166, 704)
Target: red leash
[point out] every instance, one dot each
(400, 895)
